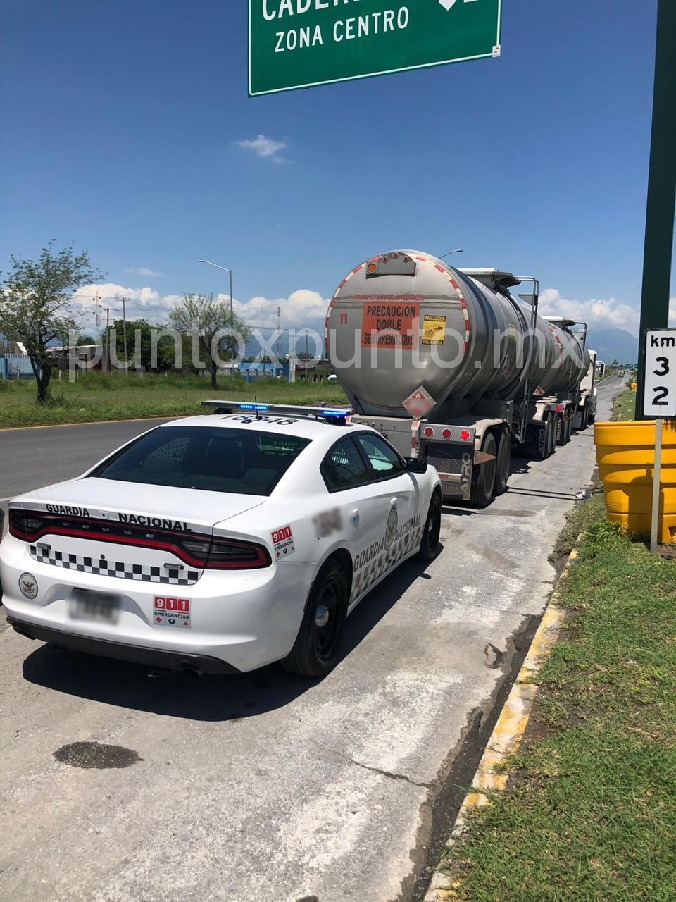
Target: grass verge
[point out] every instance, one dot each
(624, 405)
(590, 811)
(99, 396)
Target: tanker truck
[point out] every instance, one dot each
(450, 367)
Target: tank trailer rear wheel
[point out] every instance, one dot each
(483, 475)
(551, 434)
(503, 462)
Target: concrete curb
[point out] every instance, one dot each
(491, 776)
(171, 416)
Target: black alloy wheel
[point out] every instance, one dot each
(317, 647)
(430, 537)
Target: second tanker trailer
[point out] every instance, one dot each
(450, 367)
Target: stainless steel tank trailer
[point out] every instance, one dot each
(449, 366)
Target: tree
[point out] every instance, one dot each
(35, 304)
(141, 339)
(213, 328)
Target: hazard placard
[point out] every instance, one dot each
(434, 329)
(419, 403)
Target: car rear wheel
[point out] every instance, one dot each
(430, 537)
(316, 649)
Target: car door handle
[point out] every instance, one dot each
(355, 517)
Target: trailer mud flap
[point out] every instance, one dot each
(454, 465)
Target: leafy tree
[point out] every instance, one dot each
(85, 340)
(213, 328)
(35, 304)
(140, 336)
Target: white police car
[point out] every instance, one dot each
(219, 543)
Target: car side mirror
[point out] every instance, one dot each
(416, 465)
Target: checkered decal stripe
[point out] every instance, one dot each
(386, 559)
(121, 570)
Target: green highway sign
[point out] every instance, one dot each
(302, 43)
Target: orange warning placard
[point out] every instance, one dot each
(390, 324)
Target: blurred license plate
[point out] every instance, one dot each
(98, 607)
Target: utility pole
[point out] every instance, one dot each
(106, 357)
(659, 227)
(124, 333)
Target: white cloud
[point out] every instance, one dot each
(672, 312)
(303, 308)
(141, 303)
(596, 312)
(142, 271)
(265, 147)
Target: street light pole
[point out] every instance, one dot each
(229, 271)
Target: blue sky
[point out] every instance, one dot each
(127, 131)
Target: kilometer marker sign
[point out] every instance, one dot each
(304, 43)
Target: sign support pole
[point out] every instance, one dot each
(657, 477)
(659, 230)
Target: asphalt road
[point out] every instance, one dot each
(260, 786)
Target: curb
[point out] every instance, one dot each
(170, 416)
(491, 775)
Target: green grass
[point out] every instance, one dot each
(99, 396)
(590, 813)
(624, 404)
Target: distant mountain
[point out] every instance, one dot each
(613, 344)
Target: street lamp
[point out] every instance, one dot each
(229, 272)
(458, 250)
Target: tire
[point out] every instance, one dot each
(552, 434)
(430, 537)
(569, 429)
(317, 647)
(503, 463)
(562, 430)
(585, 418)
(483, 475)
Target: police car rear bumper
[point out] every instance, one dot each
(136, 654)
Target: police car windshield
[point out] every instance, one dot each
(207, 458)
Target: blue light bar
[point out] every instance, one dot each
(334, 413)
(250, 406)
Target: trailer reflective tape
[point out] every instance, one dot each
(465, 314)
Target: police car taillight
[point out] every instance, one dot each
(25, 525)
(227, 554)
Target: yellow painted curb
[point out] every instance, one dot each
(491, 776)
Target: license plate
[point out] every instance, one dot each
(94, 607)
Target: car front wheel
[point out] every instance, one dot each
(317, 647)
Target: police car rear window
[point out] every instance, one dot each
(234, 461)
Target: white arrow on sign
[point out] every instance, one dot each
(449, 4)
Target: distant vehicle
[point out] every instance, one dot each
(332, 378)
(490, 374)
(219, 543)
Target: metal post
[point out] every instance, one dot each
(232, 356)
(106, 359)
(659, 230)
(657, 475)
(124, 334)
